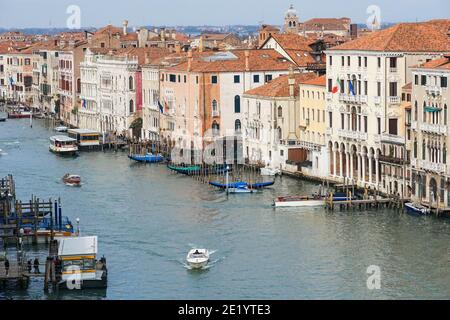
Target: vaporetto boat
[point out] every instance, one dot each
(63, 145)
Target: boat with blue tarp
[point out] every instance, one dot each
(147, 158)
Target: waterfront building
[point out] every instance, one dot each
(270, 127)
(151, 108)
(364, 78)
(17, 73)
(70, 57)
(46, 76)
(111, 88)
(430, 133)
(312, 139)
(203, 93)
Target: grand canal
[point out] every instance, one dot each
(147, 219)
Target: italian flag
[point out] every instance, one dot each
(337, 87)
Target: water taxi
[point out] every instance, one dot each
(77, 266)
(416, 209)
(198, 258)
(85, 139)
(63, 145)
(72, 180)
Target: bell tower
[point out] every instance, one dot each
(291, 21)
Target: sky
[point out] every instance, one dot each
(97, 13)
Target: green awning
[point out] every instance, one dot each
(432, 109)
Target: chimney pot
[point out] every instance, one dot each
(247, 60)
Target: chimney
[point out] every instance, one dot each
(200, 44)
(125, 27)
(189, 68)
(247, 60)
(291, 82)
(178, 48)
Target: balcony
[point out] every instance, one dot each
(349, 98)
(377, 100)
(394, 100)
(391, 138)
(329, 131)
(329, 96)
(215, 114)
(429, 166)
(433, 90)
(393, 70)
(433, 128)
(392, 160)
(356, 135)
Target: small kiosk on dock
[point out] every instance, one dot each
(86, 139)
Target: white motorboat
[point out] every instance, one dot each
(306, 201)
(61, 129)
(417, 209)
(267, 171)
(198, 258)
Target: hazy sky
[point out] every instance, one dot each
(45, 13)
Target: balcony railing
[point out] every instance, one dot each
(377, 100)
(329, 131)
(352, 134)
(391, 138)
(429, 166)
(345, 97)
(393, 70)
(433, 128)
(394, 100)
(329, 96)
(392, 159)
(433, 90)
(215, 113)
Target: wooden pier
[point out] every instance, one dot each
(368, 202)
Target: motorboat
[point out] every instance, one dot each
(198, 258)
(61, 129)
(19, 113)
(307, 201)
(72, 180)
(3, 116)
(267, 171)
(63, 145)
(77, 266)
(416, 209)
(147, 158)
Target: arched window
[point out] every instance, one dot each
(131, 106)
(215, 127)
(215, 110)
(78, 85)
(237, 104)
(415, 111)
(279, 133)
(237, 125)
(445, 114)
(280, 112)
(130, 83)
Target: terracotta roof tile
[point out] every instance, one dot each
(403, 37)
(293, 42)
(441, 63)
(317, 81)
(279, 87)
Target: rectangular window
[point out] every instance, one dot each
(393, 126)
(256, 78)
(378, 89)
(330, 119)
(342, 121)
(343, 61)
(359, 61)
(365, 62)
(172, 78)
(330, 85)
(379, 63)
(179, 78)
(393, 62)
(196, 79)
(213, 79)
(237, 79)
(366, 88)
(342, 86)
(416, 80)
(423, 80)
(331, 60)
(444, 82)
(185, 79)
(268, 77)
(348, 61)
(379, 125)
(392, 89)
(365, 124)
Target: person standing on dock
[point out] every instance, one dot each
(7, 267)
(36, 266)
(29, 266)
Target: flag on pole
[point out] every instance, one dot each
(337, 87)
(161, 108)
(352, 89)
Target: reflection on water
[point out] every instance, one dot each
(147, 219)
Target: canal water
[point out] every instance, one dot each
(147, 219)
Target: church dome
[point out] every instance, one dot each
(291, 13)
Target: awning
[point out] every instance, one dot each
(432, 109)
